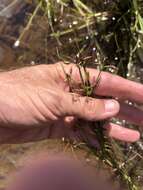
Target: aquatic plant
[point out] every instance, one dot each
(91, 29)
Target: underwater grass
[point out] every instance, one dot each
(91, 29)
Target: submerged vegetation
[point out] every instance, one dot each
(104, 34)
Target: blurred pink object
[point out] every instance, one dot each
(55, 173)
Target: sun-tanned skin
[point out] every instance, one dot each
(35, 103)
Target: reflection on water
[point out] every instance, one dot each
(13, 14)
(35, 47)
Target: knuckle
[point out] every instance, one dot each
(58, 64)
(91, 106)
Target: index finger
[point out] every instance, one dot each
(109, 84)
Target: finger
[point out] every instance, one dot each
(88, 108)
(121, 133)
(131, 114)
(109, 84)
(69, 121)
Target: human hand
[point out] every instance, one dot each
(36, 103)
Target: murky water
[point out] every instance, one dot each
(13, 14)
(9, 8)
(18, 50)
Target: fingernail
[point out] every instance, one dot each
(111, 106)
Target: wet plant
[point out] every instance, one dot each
(106, 35)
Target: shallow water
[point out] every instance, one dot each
(9, 8)
(34, 48)
(12, 19)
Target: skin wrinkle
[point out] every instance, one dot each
(94, 109)
(29, 104)
(53, 115)
(57, 99)
(75, 97)
(25, 76)
(89, 107)
(83, 103)
(75, 102)
(44, 118)
(2, 116)
(41, 115)
(58, 107)
(14, 106)
(20, 104)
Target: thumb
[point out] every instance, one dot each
(88, 108)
